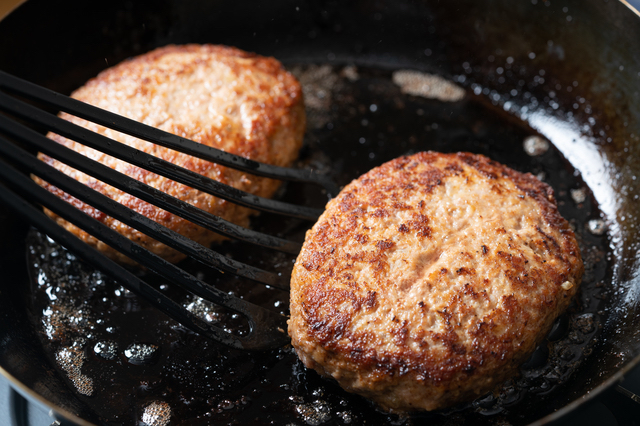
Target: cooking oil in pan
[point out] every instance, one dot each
(131, 364)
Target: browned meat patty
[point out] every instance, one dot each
(218, 96)
(429, 279)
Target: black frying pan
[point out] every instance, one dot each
(565, 69)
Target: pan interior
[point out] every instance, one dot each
(524, 85)
(105, 341)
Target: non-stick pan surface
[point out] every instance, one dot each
(564, 70)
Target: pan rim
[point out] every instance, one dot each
(32, 396)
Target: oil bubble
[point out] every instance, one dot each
(106, 349)
(315, 413)
(345, 416)
(141, 353)
(597, 226)
(579, 195)
(158, 413)
(71, 359)
(535, 145)
(204, 309)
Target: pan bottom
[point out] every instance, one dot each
(130, 364)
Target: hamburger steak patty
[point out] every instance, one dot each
(430, 279)
(219, 96)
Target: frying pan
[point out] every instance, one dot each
(567, 70)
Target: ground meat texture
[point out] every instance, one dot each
(430, 279)
(218, 96)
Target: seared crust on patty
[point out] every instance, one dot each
(430, 279)
(219, 96)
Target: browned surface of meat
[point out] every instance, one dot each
(429, 279)
(218, 96)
